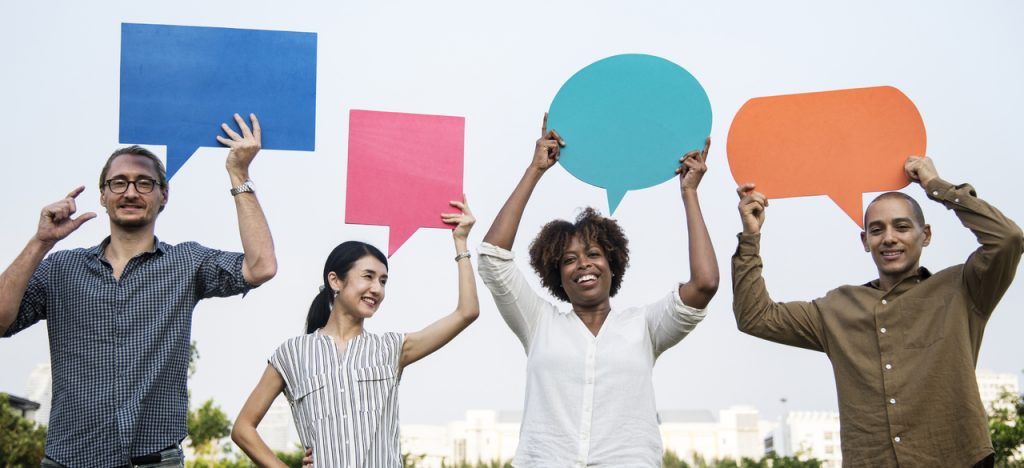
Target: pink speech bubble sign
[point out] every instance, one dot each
(403, 169)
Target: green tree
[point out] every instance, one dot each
(206, 425)
(21, 441)
(671, 460)
(1006, 426)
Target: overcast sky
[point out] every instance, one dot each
(499, 66)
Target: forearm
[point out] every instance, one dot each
(992, 228)
(244, 434)
(503, 231)
(795, 323)
(704, 275)
(260, 263)
(991, 268)
(468, 307)
(15, 278)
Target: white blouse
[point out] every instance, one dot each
(345, 404)
(589, 399)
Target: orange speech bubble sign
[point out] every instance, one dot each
(837, 143)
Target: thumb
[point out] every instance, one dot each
(82, 219)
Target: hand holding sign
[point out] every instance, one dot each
(626, 119)
(837, 143)
(403, 169)
(178, 83)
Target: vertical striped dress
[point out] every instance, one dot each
(345, 402)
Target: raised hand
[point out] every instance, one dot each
(546, 153)
(920, 169)
(463, 222)
(243, 147)
(752, 206)
(55, 221)
(692, 167)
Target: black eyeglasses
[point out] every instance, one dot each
(121, 185)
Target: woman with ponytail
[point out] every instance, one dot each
(342, 381)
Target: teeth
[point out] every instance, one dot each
(585, 278)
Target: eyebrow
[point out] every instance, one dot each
(894, 221)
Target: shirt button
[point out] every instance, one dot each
(892, 401)
(884, 301)
(888, 366)
(956, 200)
(935, 193)
(896, 439)
(882, 330)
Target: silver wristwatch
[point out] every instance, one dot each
(246, 186)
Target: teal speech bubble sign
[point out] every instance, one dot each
(626, 120)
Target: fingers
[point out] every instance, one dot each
(224, 141)
(544, 126)
(256, 132)
(242, 126)
(77, 222)
(743, 189)
(707, 148)
(558, 137)
(76, 192)
(231, 133)
(462, 205)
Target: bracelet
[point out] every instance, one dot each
(462, 255)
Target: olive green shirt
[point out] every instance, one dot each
(903, 359)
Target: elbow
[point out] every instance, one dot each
(263, 272)
(470, 314)
(708, 287)
(240, 432)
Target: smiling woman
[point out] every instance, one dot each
(589, 390)
(341, 380)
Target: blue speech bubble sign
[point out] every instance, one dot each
(179, 83)
(626, 121)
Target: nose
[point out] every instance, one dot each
(888, 236)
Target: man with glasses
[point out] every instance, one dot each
(119, 314)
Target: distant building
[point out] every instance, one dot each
(736, 433)
(808, 434)
(993, 384)
(40, 389)
(278, 427)
(22, 406)
(488, 435)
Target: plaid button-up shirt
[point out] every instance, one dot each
(119, 348)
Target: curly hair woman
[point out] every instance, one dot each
(589, 391)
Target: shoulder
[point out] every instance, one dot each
(388, 340)
(295, 346)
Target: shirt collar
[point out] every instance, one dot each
(98, 249)
(922, 274)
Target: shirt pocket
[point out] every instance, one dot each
(373, 387)
(924, 321)
(310, 397)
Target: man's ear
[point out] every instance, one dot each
(864, 240)
(927, 234)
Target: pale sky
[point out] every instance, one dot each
(499, 66)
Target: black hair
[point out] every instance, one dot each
(340, 261)
(547, 248)
(915, 207)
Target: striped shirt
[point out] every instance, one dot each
(345, 403)
(120, 347)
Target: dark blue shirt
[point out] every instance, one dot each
(119, 349)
